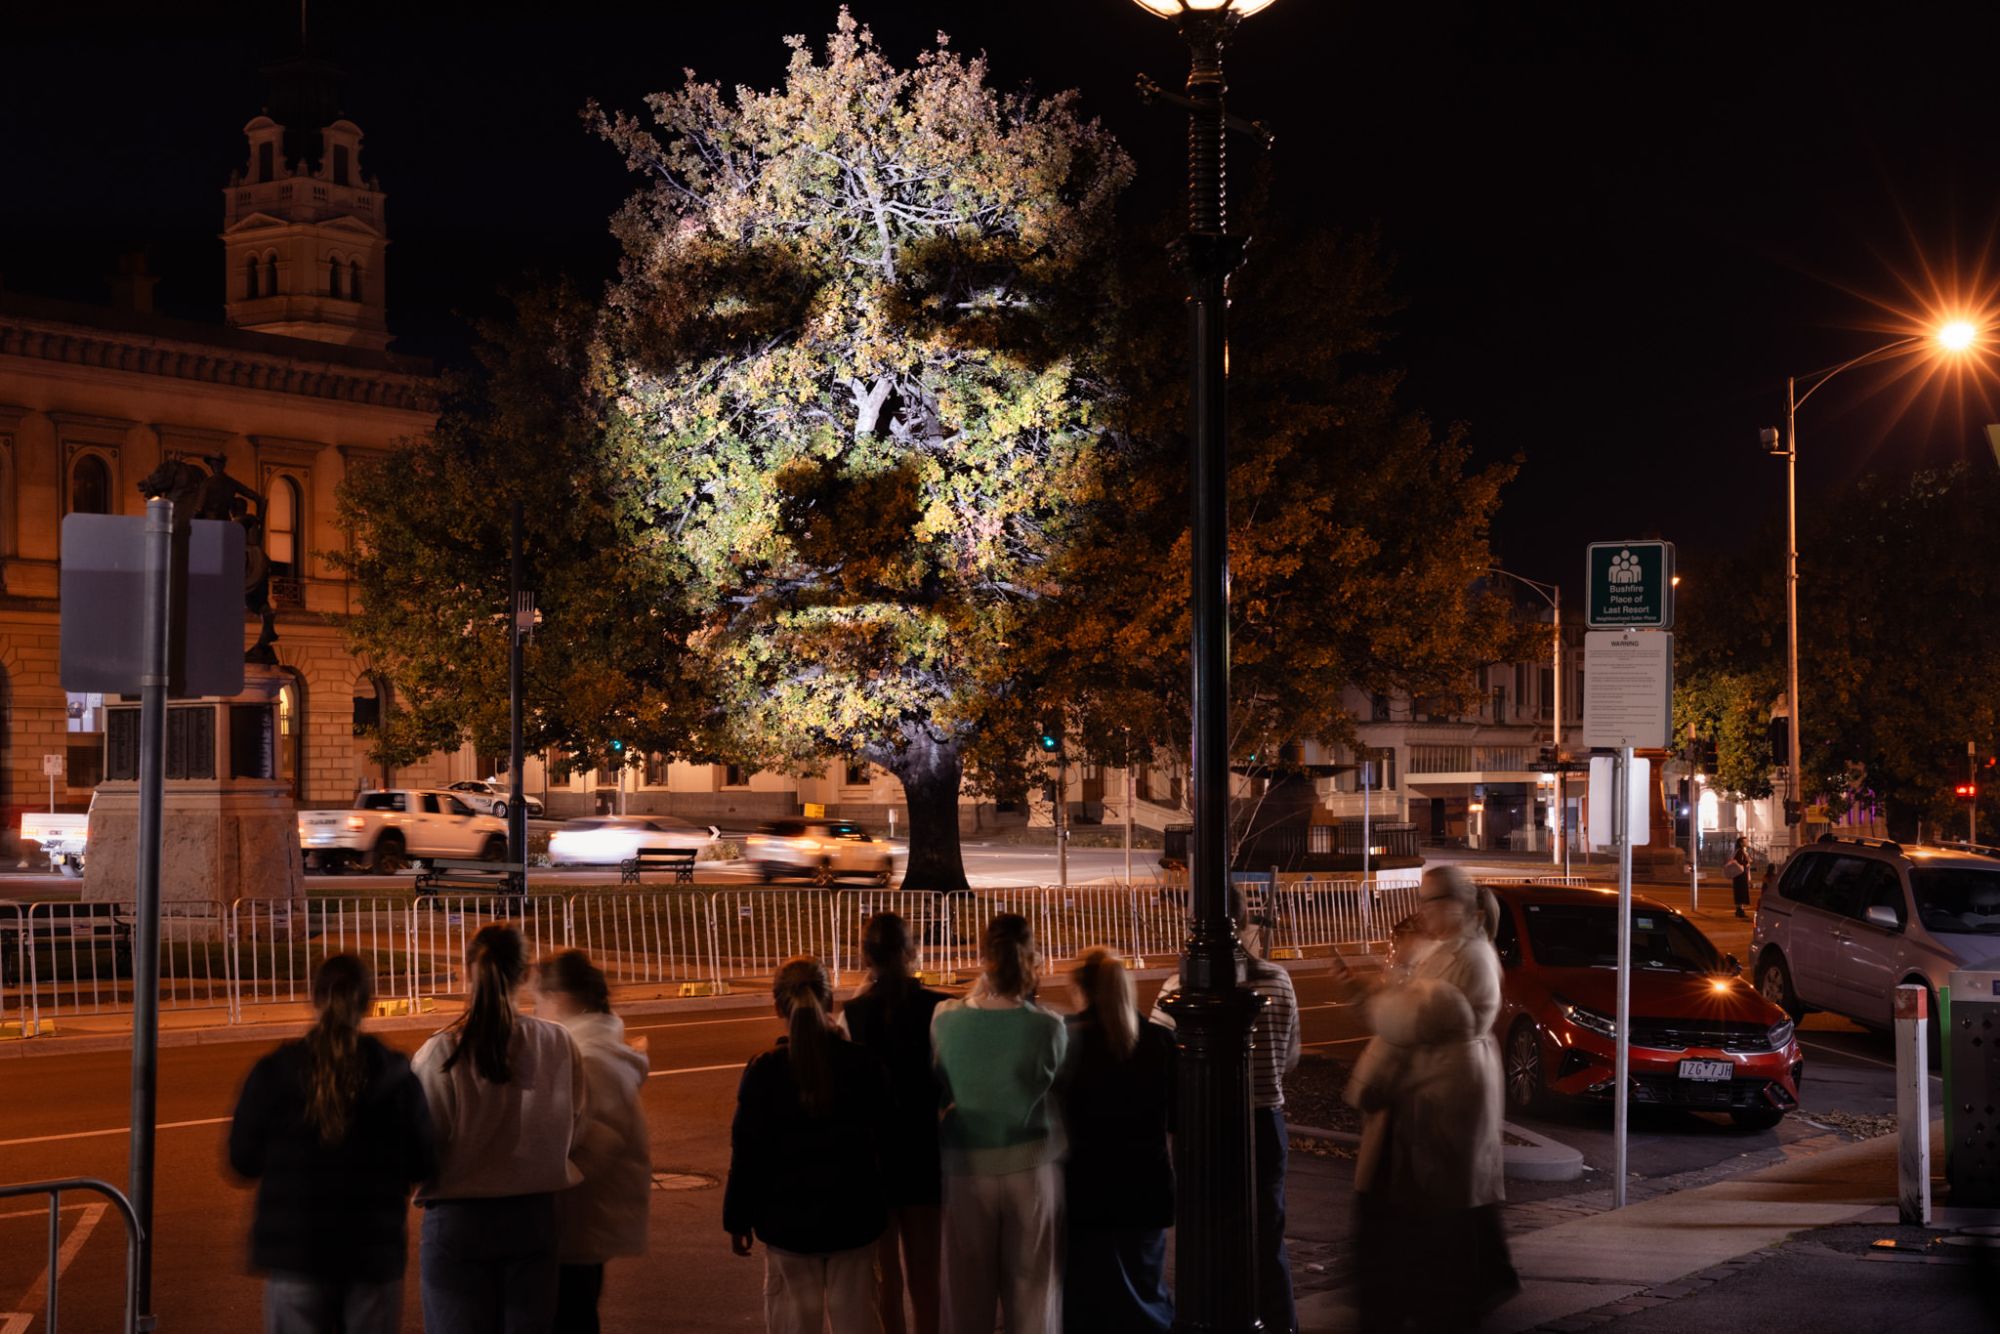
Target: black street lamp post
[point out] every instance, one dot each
(1215, 1281)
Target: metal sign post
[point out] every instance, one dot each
(146, 936)
(1621, 815)
(52, 766)
(1367, 841)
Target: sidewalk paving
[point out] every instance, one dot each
(1585, 1266)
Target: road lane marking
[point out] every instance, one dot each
(15, 1322)
(1854, 1056)
(98, 1134)
(696, 1023)
(697, 1069)
(71, 1245)
(1333, 1042)
(40, 1213)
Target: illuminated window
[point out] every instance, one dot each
(281, 526)
(89, 486)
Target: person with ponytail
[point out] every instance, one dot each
(891, 1020)
(335, 1131)
(1116, 1097)
(506, 1092)
(997, 1054)
(805, 1173)
(606, 1215)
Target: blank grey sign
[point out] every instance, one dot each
(104, 607)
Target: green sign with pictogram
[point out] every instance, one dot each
(1630, 586)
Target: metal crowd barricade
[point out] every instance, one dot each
(78, 958)
(51, 1302)
(663, 938)
(1319, 916)
(927, 914)
(13, 965)
(442, 927)
(755, 930)
(278, 945)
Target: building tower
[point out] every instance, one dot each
(302, 229)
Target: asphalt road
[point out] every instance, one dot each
(66, 1115)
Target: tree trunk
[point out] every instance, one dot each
(930, 771)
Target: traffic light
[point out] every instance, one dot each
(617, 747)
(1967, 791)
(1051, 742)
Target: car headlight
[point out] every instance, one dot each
(1603, 1025)
(1781, 1033)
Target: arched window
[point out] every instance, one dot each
(264, 160)
(89, 486)
(271, 274)
(354, 280)
(292, 732)
(340, 164)
(250, 278)
(333, 277)
(281, 527)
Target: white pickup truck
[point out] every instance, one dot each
(60, 836)
(386, 831)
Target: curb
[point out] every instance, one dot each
(1541, 1159)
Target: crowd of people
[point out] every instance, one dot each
(911, 1162)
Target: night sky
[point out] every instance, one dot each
(1617, 226)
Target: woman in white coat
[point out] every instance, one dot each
(606, 1215)
(1431, 1093)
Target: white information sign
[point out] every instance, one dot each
(52, 766)
(1628, 686)
(1603, 801)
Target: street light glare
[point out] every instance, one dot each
(1958, 335)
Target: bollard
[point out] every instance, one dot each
(1913, 1111)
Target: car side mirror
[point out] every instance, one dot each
(1731, 965)
(1882, 915)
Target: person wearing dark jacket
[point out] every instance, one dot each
(1116, 1096)
(805, 1170)
(335, 1131)
(891, 1020)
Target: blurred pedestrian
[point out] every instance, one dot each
(1446, 1083)
(1738, 871)
(891, 1020)
(805, 1167)
(997, 1056)
(1274, 1053)
(506, 1091)
(606, 1215)
(1116, 1098)
(334, 1130)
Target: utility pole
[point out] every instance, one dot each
(1972, 780)
(517, 812)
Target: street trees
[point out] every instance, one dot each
(856, 392)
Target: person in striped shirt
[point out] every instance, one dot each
(1274, 1053)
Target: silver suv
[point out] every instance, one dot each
(1852, 919)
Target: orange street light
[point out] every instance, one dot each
(1958, 335)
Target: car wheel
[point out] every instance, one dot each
(494, 849)
(1525, 1089)
(498, 810)
(69, 868)
(389, 855)
(1774, 984)
(882, 877)
(822, 875)
(1756, 1118)
(766, 872)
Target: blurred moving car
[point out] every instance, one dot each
(61, 837)
(488, 797)
(820, 850)
(606, 840)
(386, 830)
(1852, 919)
(1702, 1038)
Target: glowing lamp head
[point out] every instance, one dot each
(1719, 985)
(1958, 336)
(1173, 9)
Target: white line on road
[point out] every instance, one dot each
(697, 1069)
(40, 1213)
(697, 1023)
(1333, 1042)
(15, 1322)
(98, 1134)
(1854, 1056)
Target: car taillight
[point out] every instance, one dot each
(356, 822)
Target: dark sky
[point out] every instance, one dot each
(1618, 226)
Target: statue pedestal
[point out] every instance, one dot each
(228, 827)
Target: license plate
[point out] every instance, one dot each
(1708, 1071)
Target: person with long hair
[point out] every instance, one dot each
(997, 1055)
(805, 1171)
(506, 1092)
(891, 1020)
(606, 1215)
(335, 1131)
(1116, 1096)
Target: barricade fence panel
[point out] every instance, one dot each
(442, 927)
(755, 930)
(663, 938)
(279, 945)
(927, 915)
(78, 958)
(13, 963)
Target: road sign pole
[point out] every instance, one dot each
(517, 811)
(1621, 818)
(146, 933)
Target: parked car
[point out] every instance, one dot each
(1702, 1038)
(820, 850)
(490, 798)
(1852, 919)
(386, 830)
(606, 840)
(61, 836)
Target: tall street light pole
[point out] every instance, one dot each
(1215, 1212)
(1552, 594)
(1956, 337)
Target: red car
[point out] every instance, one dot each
(1702, 1038)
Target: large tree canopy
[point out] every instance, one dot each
(858, 396)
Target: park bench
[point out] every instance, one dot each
(67, 927)
(678, 860)
(477, 877)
